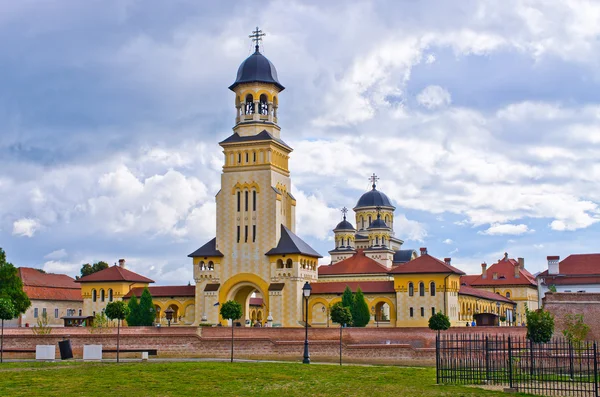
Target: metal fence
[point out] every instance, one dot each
(556, 368)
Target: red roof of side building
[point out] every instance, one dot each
(48, 286)
(358, 263)
(464, 290)
(114, 273)
(578, 265)
(255, 302)
(164, 291)
(505, 272)
(367, 287)
(425, 264)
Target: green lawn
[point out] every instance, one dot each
(221, 379)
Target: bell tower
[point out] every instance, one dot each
(255, 254)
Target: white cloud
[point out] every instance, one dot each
(58, 254)
(409, 229)
(504, 229)
(434, 96)
(314, 217)
(25, 227)
(448, 241)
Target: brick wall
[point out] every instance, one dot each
(562, 303)
(409, 346)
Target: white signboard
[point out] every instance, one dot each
(92, 352)
(45, 352)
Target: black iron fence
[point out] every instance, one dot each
(556, 368)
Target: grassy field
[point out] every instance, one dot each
(223, 379)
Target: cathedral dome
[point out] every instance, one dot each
(257, 69)
(374, 198)
(344, 225)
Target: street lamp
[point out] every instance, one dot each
(169, 314)
(306, 293)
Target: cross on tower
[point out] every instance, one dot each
(373, 178)
(257, 36)
(344, 211)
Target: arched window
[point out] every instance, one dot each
(279, 264)
(239, 201)
(263, 107)
(369, 220)
(411, 311)
(249, 104)
(422, 312)
(80, 312)
(377, 240)
(254, 200)
(101, 295)
(246, 200)
(421, 289)
(411, 290)
(110, 295)
(211, 265)
(201, 265)
(94, 295)
(508, 294)
(289, 264)
(432, 289)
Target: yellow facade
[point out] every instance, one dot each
(96, 295)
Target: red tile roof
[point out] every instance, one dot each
(165, 291)
(425, 264)
(505, 269)
(464, 290)
(358, 263)
(571, 280)
(467, 279)
(53, 294)
(114, 273)
(578, 265)
(368, 287)
(49, 286)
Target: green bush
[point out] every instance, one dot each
(540, 326)
(340, 314)
(361, 314)
(231, 310)
(133, 318)
(439, 322)
(576, 330)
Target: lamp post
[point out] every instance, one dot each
(169, 314)
(306, 293)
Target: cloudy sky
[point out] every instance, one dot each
(482, 119)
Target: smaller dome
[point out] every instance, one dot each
(344, 225)
(378, 224)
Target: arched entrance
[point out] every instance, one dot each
(253, 303)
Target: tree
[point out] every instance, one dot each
(540, 325)
(360, 310)
(117, 311)
(576, 330)
(7, 312)
(231, 310)
(100, 323)
(88, 269)
(347, 297)
(341, 315)
(439, 322)
(147, 313)
(133, 318)
(11, 285)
